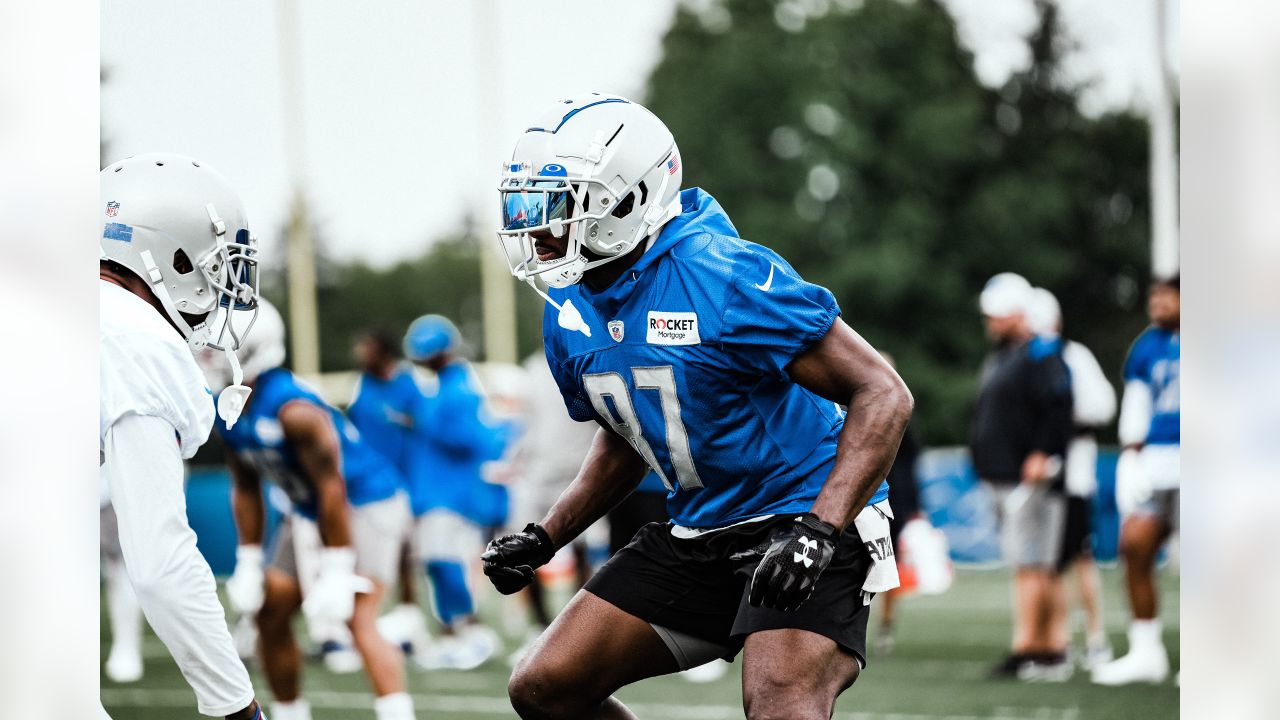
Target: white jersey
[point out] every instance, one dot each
(1093, 402)
(147, 369)
(155, 411)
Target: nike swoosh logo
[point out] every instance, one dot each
(768, 283)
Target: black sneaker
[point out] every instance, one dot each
(1009, 667)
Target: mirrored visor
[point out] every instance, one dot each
(533, 207)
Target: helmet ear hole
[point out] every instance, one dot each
(182, 263)
(624, 208)
(644, 193)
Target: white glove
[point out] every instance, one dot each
(245, 586)
(1133, 487)
(333, 595)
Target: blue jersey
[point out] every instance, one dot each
(687, 360)
(1154, 360)
(453, 436)
(258, 440)
(383, 413)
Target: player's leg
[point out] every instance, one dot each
(281, 657)
(553, 682)
(1140, 538)
(794, 674)
(377, 532)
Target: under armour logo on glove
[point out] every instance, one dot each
(804, 556)
(798, 553)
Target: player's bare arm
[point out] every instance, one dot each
(611, 470)
(311, 431)
(844, 368)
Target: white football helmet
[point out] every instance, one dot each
(179, 225)
(260, 352)
(601, 168)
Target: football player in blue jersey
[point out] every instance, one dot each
(287, 434)
(708, 360)
(1148, 479)
(381, 409)
(453, 436)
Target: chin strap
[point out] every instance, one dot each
(232, 399)
(569, 318)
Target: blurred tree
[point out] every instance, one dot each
(854, 138)
(354, 297)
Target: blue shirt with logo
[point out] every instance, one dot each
(1154, 359)
(258, 439)
(687, 359)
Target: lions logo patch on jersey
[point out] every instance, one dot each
(616, 330)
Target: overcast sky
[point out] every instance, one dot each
(409, 106)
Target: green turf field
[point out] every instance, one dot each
(945, 646)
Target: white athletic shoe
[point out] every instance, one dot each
(341, 659)
(707, 672)
(1144, 664)
(467, 650)
(123, 666)
(1147, 661)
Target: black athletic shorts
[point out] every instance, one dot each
(699, 586)
(1077, 532)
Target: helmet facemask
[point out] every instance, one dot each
(583, 210)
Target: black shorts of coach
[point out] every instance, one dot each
(699, 586)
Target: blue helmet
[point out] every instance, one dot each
(430, 335)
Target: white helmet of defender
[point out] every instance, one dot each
(179, 226)
(260, 352)
(601, 168)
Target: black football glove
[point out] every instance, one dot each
(798, 553)
(511, 560)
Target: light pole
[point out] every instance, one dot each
(304, 326)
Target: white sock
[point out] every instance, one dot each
(1145, 634)
(123, 611)
(396, 706)
(297, 710)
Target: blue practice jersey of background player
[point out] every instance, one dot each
(687, 360)
(259, 440)
(453, 437)
(382, 411)
(1154, 359)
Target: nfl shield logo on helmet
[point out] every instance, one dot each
(113, 207)
(615, 330)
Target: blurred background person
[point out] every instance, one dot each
(1019, 433)
(1148, 480)
(336, 554)
(381, 408)
(453, 437)
(1093, 405)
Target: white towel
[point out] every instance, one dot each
(872, 525)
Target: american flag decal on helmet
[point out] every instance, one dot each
(673, 164)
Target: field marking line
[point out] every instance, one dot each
(481, 705)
